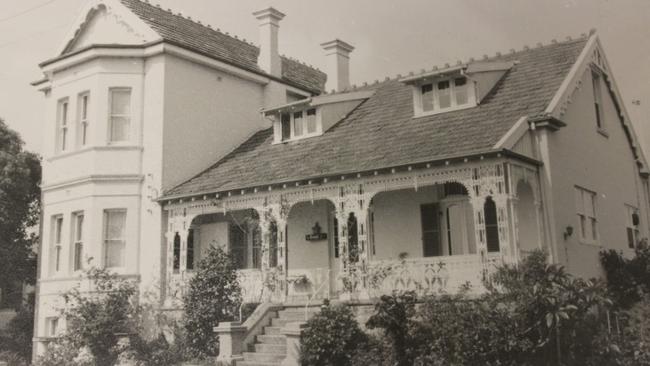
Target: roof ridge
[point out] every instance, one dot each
(498, 54)
(207, 26)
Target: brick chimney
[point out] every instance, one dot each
(337, 61)
(269, 58)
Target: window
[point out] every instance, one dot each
(57, 228)
(585, 202)
(353, 239)
(286, 126)
(190, 250)
(82, 129)
(62, 123)
(300, 124)
(598, 107)
(431, 244)
(297, 124)
(491, 225)
(632, 225)
(51, 326)
(114, 238)
(427, 97)
(177, 253)
(445, 95)
(77, 241)
(120, 115)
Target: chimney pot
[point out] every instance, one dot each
(269, 58)
(337, 56)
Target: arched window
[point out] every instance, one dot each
(353, 239)
(177, 252)
(190, 250)
(491, 225)
(273, 244)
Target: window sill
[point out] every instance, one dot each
(419, 114)
(62, 155)
(603, 132)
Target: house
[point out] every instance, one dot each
(165, 136)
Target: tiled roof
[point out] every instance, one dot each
(185, 32)
(382, 133)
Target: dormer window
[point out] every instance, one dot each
(444, 95)
(300, 124)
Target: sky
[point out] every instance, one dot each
(390, 38)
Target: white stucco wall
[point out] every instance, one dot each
(580, 155)
(301, 253)
(208, 113)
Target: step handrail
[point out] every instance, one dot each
(326, 282)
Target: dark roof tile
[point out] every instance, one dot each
(382, 133)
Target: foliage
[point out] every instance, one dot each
(98, 320)
(20, 175)
(331, 338)
(213, 296)
(18, 338)
(395, 315)
(155, 352)
(64, 352)
(13, 359)
(635, 346)
(627, 279)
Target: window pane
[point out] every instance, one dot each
(630, 237)
(120, 128)
(594, 231)
(286, 126)
(78, 256)
(444, 97)
(57, 262)
(583, 226)
(120, 102)
(460, 85)
(577, 196)
(427, 97)
(311, 121)
(114, 253)
(84, 107)
(57, 230)
(79, 228)
(589, 204)
(115, 222)
(297, 124)
(64, 114)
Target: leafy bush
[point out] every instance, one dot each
(64, 352)
(331, 338)
(395, 315)
(99, 320)
(17, 340)
(213, 296)
(635, 345)
(627, 279)
(155, 352)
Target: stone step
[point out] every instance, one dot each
(280, 349)
(253, 363)
(270, 330)
(274, 339)
(279, 322)
(263, 357)
(297, 315)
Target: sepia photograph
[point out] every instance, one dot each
(324, 183)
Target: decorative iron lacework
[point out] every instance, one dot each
(481, 180)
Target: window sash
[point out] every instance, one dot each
(114, 238)
(63, 125)
(586, 211)
(84, 100)
(77, 245)
(120, 115)
(444, 94)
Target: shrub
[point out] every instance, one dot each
(100, 319)
(155, 352)
(213, 296)
(635, 345)
(331, 338)
(628, 280)
(395, 315)
(18, 339)
(64, 352)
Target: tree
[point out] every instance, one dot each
(20, 175)
(213, 296)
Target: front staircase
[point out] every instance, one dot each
(270, 347)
